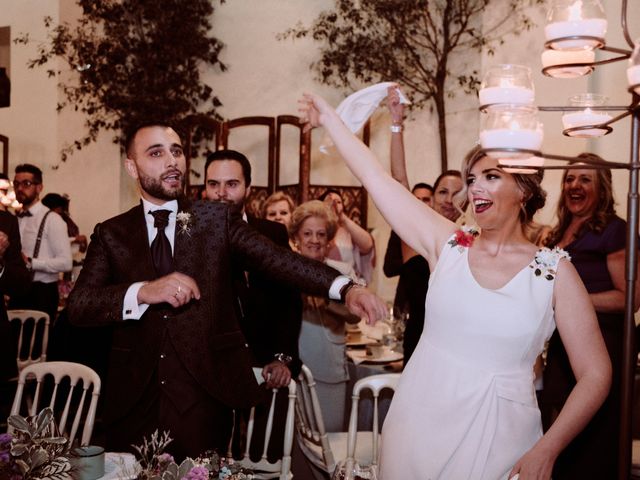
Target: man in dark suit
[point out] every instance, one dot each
(14, 280)
(178, 359)
(270, 313)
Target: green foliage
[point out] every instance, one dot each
(37, 449)
(410, 42)
(133, 62)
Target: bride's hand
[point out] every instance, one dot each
(313, 109)
(536, 464)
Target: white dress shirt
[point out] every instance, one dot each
(55, 252)
(131, 310)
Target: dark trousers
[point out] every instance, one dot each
(173, 401)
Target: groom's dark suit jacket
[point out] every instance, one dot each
(205, 334)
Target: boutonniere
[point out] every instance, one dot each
(185, 222)
(546, 260)
(464, 238)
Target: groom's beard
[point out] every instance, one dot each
(157, 189)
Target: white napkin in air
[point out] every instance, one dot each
(356, 109)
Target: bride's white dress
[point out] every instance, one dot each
(466, 407)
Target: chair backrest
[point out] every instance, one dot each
(312, 436)
(374, 383)
(30, 335)
(59, 370)
(264, 469)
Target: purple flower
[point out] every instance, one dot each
(197, 473)
(5, 457)
(165, 459)
(5, 439)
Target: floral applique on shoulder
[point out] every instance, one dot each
(546, 261)
(463, 238)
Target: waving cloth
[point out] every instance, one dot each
(356, 109)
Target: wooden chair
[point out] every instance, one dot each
(59, 370)
(38, 318)
(264, 469)
(362, 446)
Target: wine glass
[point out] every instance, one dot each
(351, 470)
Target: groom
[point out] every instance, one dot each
(161, 275)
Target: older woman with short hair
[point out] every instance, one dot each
(322, 335)
(278, 207)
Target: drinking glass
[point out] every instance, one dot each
(351, 470)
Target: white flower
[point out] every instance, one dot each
(185, 221)
(546, 260)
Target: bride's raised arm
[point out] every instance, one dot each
(418, 225)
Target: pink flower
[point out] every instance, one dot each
(197, 473)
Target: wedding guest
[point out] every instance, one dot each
(161, 274)
(45, 244)
(352, 244)
(278, 207)
(589, 229)
(60, 204)
(465, 406)
(269, 312)
(322, 337)
(14, 280)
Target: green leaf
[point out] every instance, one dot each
(19, 423)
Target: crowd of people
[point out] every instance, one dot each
(195, 293)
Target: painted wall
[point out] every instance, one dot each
(265, 77)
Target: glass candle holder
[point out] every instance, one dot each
(633, 72)
(567, 64)
(568, 20)
(511, 131)
(521, 165)
(506, 83)
(586, 117)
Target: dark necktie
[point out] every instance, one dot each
(160, 247)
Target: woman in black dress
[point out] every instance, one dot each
(589, 229)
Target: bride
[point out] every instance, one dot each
(466, 407)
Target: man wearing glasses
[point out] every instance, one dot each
(45, 244)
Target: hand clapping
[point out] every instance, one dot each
(176, 289)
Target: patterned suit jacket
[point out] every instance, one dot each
(204, 333)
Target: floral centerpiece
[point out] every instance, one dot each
(35, 450)
(156, 464)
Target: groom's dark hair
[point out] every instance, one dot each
(133, 131)
(232, 155)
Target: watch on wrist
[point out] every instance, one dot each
(396, 128)
(348, 286)
(283, 358)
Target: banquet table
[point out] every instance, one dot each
(361, 366)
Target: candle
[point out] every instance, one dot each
(511, 138)
(589, 27)
(506, 94)
(633, 76)
(583, 118)
(550, 58)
